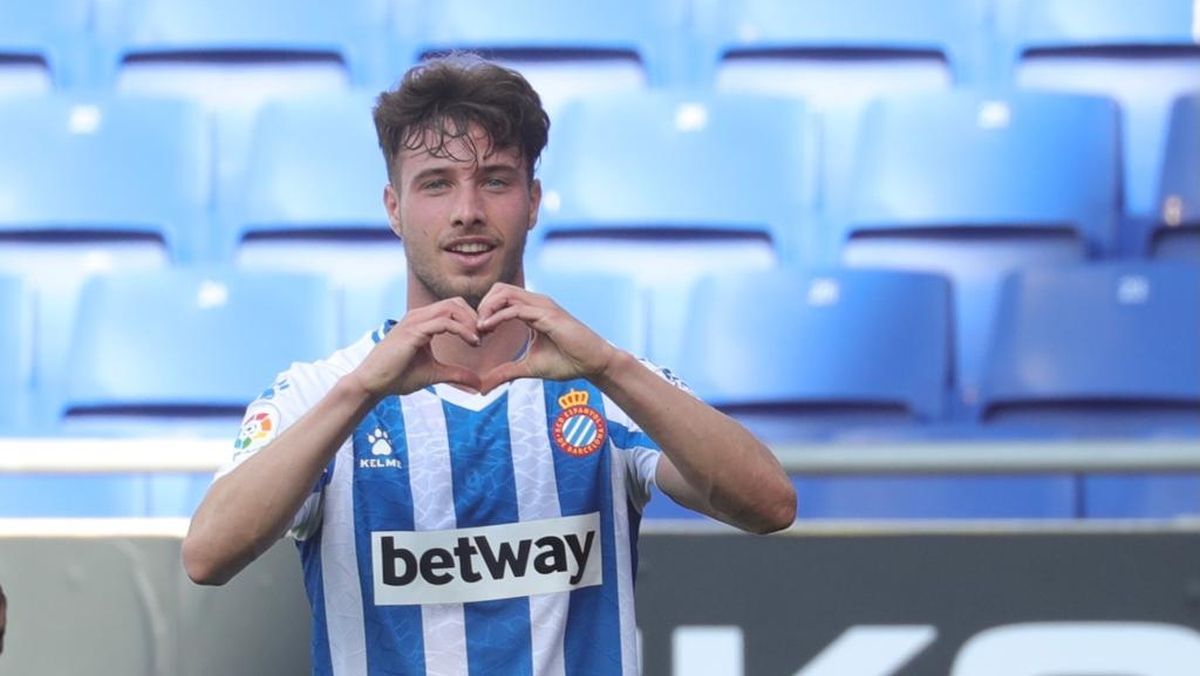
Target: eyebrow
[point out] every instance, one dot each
(490, 168)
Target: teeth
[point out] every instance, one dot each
(471, 248)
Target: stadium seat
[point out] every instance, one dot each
(1140, 496)
(1143, 54)
(42, 45)
(563, 48)
(1105, 349)
(837, 55)
(312, 201)
(660, 186)
(94, 184)
(821, 353)
(182, 351)
(16, 354)
(1176, 233)
(232, 56)
(975, 183)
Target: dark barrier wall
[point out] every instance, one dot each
(810, 604)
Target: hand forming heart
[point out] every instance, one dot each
(562, 347)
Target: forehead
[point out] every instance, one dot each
(441, 149)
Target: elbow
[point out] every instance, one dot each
(199, 564)
(779, 512)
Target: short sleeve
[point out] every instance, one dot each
(635, 447)
(277, 408)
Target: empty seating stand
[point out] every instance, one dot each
(43, 45)
(661, 186)
(184, 350)
(1142, 54)
(973, 183)
(1175, 234)
(563, 48)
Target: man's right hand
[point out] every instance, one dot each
(403, 361)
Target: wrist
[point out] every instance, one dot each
(619, 361)
(354, 388)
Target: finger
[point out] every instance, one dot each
(506, 372)
(517, 309)
(448, 373)
(503, 295)
(446, 324)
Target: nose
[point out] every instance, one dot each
(468, 207)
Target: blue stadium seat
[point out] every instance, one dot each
(563, 48)
(1176, 233)
(312, 201)
(975, 183)
(42, 45)
(824, 353)
(837, 55)
(184, 350)
(660, 186)
(94, 184)
(1106, 349)
(1140, 496)
(1143, 54)
(232, 56)
(16, 353)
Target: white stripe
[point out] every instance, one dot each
(339, 568)
(621, 536)
(537, 498)
(433, 509)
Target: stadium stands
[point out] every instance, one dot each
(837, 55)
(1103, 349)
(312, 201)
(965, 183)
(1176, 232)
(564, 48)
(821, 353)
(142, 358)
(674, 194)
(233, 56)
(968, 139)
(1142, 54)
(92, 184)
(16, 350)
(42, 45)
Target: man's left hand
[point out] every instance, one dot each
(563, 347)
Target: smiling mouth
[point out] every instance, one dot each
(471, 248)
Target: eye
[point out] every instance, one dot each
(495, 182)
(435, 184)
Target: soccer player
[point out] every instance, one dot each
(465, 484)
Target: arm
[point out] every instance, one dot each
(247, 510)
(711, 464)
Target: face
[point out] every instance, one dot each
(463, 218)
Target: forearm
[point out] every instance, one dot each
(731, 472)
(247, 510)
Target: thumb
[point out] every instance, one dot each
(506, 372)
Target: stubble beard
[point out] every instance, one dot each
(441, 287)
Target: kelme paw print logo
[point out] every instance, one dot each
(381, 444)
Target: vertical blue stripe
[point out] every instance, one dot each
(485, 494)
(310, 559)
(383, 502)
(592, 645)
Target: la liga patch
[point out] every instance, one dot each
(260, 426)
(579, 429)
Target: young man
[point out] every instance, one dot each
(465, 484)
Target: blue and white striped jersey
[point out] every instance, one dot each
(456, 533)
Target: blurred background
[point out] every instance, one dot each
(943, 255)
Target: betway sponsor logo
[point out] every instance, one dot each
(486, 563)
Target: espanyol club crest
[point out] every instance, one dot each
(579, 429)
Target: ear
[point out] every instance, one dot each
(391, 202)
(535, 201)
